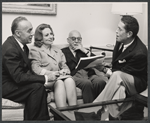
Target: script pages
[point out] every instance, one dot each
(62, 77)
(88, 62)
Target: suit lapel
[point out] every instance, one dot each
(69, 53)
(126, 52)
(51, 53)
(25, 57)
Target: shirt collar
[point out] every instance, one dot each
(127, 45)
(20, 44)
(73, 52)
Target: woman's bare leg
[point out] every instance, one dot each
(71, 91)
(60, 94)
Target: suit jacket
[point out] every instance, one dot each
(16, 67)
(45, 60)
(132, 61)
(72, 61)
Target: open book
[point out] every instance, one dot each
(88, 62)
(63, 77)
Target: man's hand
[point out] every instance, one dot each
(49, 85)
(79, 46)
(107, 71)
(108, 65)
(52, 77)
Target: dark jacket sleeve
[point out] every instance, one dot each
(136, 65)
(15, 67)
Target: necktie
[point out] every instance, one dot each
(120, 50)
(26, 50)
(74, 53)
(77, 55)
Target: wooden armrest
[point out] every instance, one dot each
(100, 48)
(75, 107)
(57, 113)
(137, 97)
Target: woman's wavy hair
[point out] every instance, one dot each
(38, 36)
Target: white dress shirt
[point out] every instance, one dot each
(127, 45)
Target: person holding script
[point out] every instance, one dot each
(91, 81)
(89, 62)
(46, 59)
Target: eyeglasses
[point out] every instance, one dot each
(79, 39)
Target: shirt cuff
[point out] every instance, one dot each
(43, 71)
(46, 79)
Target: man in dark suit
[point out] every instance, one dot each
(19, 83)
(90, 81)
(129, 66)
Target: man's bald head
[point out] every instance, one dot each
(74, 33)
(74, 39)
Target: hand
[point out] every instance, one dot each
(56, 73)
(64, 72)
(108, 65)
(108, 72)
(49, 85)
(79, 46)
(53, 76)
(105, 69)
(100, 67)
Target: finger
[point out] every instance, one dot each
(73, 48)
(57, 75)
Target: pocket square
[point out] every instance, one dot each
(122, 61)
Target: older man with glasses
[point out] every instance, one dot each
(90, 81)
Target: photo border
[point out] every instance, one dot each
(29, 9)
(129, 121)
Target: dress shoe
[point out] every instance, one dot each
(86, 116)
(136, 112)
(113, 118)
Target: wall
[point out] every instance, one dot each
(94, 20)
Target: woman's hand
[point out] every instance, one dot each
(56, 73)
(64, 72)
(52, 75)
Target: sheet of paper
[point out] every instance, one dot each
(92, 61)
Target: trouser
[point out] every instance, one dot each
(91, 86)
(118, 85)
(35, 98)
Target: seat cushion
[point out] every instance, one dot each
(8, 104)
